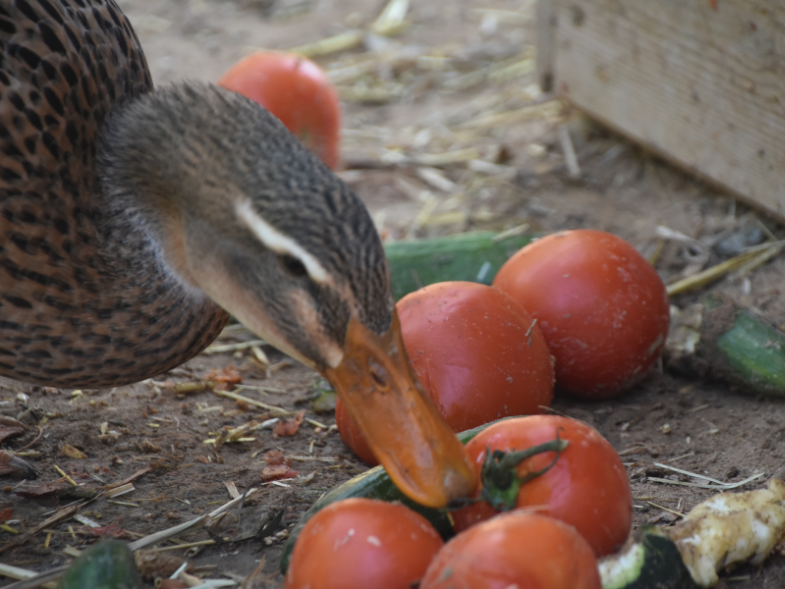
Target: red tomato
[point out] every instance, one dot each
(351, 434)
(361, 543)
(586, 488)
(295, 90)
(517, 549)
(602, 308)
(477, 353)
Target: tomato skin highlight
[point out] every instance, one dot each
(298, 92)
(587, 487)
(517, 549)
(362, 543)
(602, 307)
(476, 352)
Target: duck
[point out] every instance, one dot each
(134, 220)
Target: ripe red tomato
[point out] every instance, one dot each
(361, 543)
(587, 487)
(602, 307)
(517, 549)
(295, 90)
(476, 352)
(351, 434)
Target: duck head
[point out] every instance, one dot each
(247, 216)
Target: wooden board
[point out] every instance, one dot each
(701, 82)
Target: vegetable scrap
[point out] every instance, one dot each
(290, 425)
(726, 529)
(224, 377)
(722, 341)
(731, 528)
(277, 472)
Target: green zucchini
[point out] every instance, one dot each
(109, 564)
(651, 561)
(751, 350)
(376, 484)
(473, 257)
(730, 344)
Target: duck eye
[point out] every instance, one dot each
(293, 266)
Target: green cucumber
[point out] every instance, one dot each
(473, 257)
(750, 351)
(106, 565)
(729, 344)
(376, 484)
(651, 561)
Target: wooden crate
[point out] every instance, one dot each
(701, 82)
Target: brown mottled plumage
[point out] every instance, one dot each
(97, 176)
(131, 218)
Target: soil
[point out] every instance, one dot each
(698, 425)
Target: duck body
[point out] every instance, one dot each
(133, 221)
(70, 316)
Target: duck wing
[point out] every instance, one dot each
(73, 313)
(65, 65)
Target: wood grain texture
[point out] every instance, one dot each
(702, 82)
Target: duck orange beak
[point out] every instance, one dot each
(400, 422)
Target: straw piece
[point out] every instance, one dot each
(717, 271)
(544, 111)
(392, 20)
(330, 45)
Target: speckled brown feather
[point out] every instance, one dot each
(68, 315)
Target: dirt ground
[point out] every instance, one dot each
(426, 104)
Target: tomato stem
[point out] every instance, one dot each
(501, 483)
